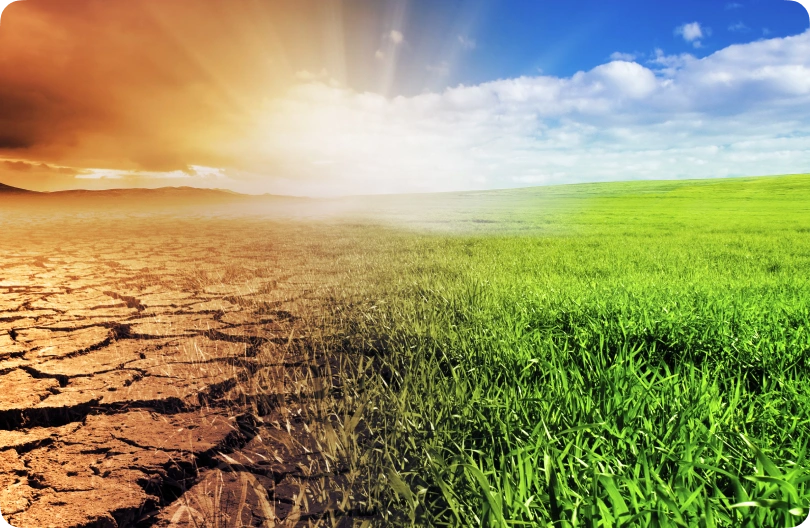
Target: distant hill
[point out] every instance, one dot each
(185, 200)
(177, 192)
(171, 193)
(8, 189)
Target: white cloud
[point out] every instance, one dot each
(206, 172)
(693, 33)
(620, 56)
(193, 172)
(109, 174)
(742, 110)
(396, 37)
(738, 27)
(668, 65)
(379, 54)
(466, 42)
(733, 5)
(624, 79)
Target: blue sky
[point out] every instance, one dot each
(520, 37)
(483, 94)
(512, 38)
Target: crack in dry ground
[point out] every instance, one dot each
(148, 382)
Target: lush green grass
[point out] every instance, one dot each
(631, 354)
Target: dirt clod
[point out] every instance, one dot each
(130, 392)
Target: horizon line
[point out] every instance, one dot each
(14, 189)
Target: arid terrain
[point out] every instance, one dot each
(209, 360)
(153, 373)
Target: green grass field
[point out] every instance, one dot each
(628, 354)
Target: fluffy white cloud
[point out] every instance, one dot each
(670, 64)
(396, 37)
(744, 110)
(692, 32)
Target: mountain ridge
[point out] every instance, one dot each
(8, 189)
(180, 192)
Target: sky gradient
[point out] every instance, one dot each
(322, 97)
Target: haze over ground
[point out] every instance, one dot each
(335, 98)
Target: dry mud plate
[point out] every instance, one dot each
(151, 375)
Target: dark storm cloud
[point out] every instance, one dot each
(140, 84)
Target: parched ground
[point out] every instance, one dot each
(154, 371)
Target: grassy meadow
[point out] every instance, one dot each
(623, 354)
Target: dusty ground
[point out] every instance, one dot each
(154, 372)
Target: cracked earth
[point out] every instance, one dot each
(155, 372)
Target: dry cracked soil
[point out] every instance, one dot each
(154, 372)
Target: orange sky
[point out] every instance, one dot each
(151, 85)
(331, 97)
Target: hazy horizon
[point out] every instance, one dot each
(394, 194)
